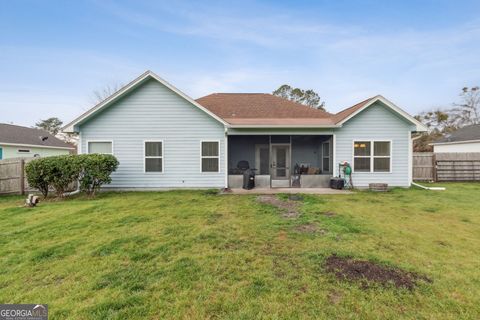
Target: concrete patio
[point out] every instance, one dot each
(287, 190)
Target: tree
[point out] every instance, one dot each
(52, 125)
(101, 94)
(438, 122)
(306, 97)
(467, 112)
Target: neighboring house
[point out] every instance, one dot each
(165, 139)
(466, 139)
(17, 141)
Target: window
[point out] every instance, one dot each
(381, 156)
(366, 161)
(102, 147)
(153, 156)
(23, 151)
(326, 156)
(362, 155)
(210, 156)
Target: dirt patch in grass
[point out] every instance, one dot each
(369, 273)
(309, 228)
(335, 297)
(288, 207)
(295, 197)
(329, 213)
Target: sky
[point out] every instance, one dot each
(55, 54)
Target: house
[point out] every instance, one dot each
(17, 141)
(165, 139)
(466, 139)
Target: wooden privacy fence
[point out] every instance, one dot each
(446, 166)
(12, 176)
(457, 166)
(422, 166)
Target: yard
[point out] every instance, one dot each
(195, 254)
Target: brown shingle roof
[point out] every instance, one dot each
(257, 105)
(347, 112)
(267, 109)
(13, 134)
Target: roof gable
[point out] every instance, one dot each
(347, 114)
(17, 135)
(128, 89)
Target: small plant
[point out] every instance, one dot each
(95, 171)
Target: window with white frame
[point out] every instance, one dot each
(372, 156)
(153, 156)
(102, 147)
(210, 156)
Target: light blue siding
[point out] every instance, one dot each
(377, 123)
(153, 112)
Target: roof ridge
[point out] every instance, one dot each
(24, 127)
(356, 104)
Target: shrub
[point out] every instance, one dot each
(64, 171)
(92, 170)
(95, 171)
(38, 174)
(57, 172)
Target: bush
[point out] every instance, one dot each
(57, 172)
(92, 170)
(65, 171)
(38, 174)
(95, 171)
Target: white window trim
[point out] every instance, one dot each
(371, 156)
(88, 147)
(209, 157)
(153, 157)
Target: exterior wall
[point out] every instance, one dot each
(153, 112)
(457, 147)
(377, 123)
(9, 152)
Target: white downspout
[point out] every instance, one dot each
(429, 188)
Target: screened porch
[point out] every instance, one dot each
(281, 161)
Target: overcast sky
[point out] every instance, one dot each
(54, 54)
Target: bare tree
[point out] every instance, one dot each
(101, 94)
(467, 112)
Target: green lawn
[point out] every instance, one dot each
(197, 255)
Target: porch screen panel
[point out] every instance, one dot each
(326, 157)
(281, 162)
(264, 160)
